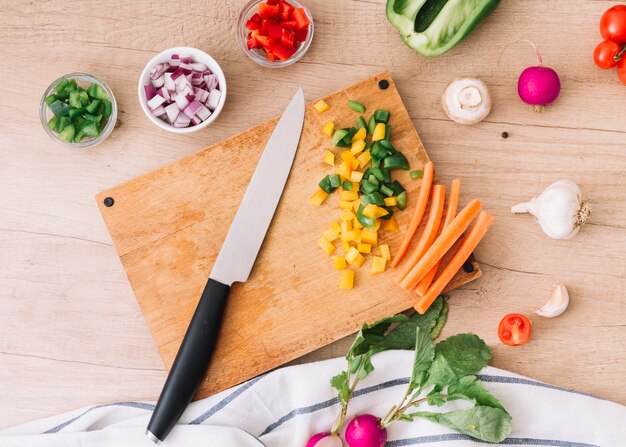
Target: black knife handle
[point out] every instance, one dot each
(191, 361)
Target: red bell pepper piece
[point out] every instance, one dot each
(256, 18)
(289, 24)
(251, 41)
(286, 10)
(270, 56)
(265, 41)
(288, 38)
(275, 30)
(273, 2)
(301, 34)
(299, 15)
(282, 51)
(268, 11)
(265, 26)
(253, 25)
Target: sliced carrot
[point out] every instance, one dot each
(441, 245)
(453, 203)
(418, 214)
(438, 197)
(474, 236)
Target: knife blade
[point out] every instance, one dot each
(233, 264)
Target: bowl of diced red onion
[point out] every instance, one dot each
(182, 90)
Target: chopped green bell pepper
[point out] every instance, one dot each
(433, 27)
(67, 134)
(367, 222)
(360, 123)
(396, 161)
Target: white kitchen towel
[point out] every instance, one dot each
(285, 407)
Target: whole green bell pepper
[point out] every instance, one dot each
(432, 27)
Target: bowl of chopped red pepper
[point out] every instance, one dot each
(275, 33)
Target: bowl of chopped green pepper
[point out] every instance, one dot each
(78, 110)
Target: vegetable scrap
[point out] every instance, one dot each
(441, 373)
(368, 196)
(182, 92)
(79, 113)
(560, 209)
(433, 27)
(277, 30)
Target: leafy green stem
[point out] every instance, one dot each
(344, 403)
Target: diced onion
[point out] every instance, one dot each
(182, 92)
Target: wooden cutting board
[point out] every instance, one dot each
(168, 226)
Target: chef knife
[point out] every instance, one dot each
(234, 263)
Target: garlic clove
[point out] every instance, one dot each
(556, 305)
(467, 101)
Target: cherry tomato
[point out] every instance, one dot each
(514, 330)
(621, 70)
(613, 24)
(604, 54)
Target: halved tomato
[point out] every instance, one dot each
(514, 330)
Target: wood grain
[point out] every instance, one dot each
(71, 332)
(168, 226)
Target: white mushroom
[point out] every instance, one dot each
(467, 101)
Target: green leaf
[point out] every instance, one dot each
(370, 335)
(441, 320)
(340, 383)
(424, 355)
(458, 356)
(470, 388)
(403, 336)
(480, 422)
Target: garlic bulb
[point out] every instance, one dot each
(467, 101)
(559, 210)
(556, 305)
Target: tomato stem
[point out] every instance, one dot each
(618, 56)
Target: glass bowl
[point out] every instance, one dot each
(258, 56)
(83, 80)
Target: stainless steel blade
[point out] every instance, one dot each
(260, 200)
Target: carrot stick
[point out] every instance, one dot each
(474, 236)
(438, 197)
(418, 214)
(441, 245)
(453, 203)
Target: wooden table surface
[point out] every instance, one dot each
(71, 333)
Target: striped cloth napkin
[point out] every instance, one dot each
(285, 407)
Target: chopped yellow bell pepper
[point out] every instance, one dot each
(376, 224)
(379, 132)
(327, 246)
(346, 279)
(336, 227)
(356, 176)
(329, 126)
(360, 135)
(346, 205)
(358, 261)
(351, 255)
(357, 224)
(373, 212)
(364, 248)
(369, 236)
(357, 147)
(350, 236)
(364, 158)
(345, 246)
(340, 262)
(349, 195)
(318, 197)
(345, 170)
(321, 106)
(355, 186)
(346, 215)
(346, 226)
(384, 251)
(378, 265)
(391, 225)
(348, 157)
(329, 158)
(391, 201)
(330, 235)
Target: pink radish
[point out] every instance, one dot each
(324, 440)
(365, 431)
(538, 85)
